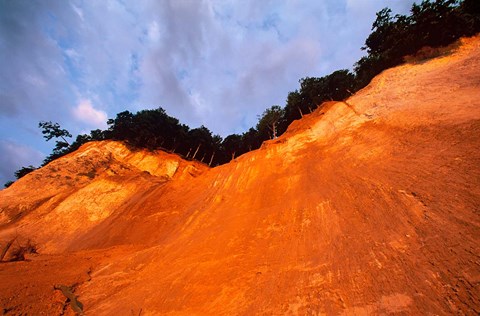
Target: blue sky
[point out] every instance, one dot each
(217, 63)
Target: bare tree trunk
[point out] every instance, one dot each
(196, 151)
(188, 152)
(299, 110)
(175, 146)
(65, 140)
(201, 160)
(233, 155)
(211, 159)
(273, 129)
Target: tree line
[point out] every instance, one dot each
(430, 24)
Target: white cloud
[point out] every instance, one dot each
(78, 11)
(154, 31)
(212, 62)
(86, 113)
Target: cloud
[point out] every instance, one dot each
(237, 57)
(86, 113)
(32, 66)
(213, 62)
(14, 156)
(221, 63)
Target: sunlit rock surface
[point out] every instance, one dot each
(368, 206)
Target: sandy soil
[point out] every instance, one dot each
(364, 207)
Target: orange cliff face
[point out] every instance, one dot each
(71, 196)
(369, 206)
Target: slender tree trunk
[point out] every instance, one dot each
(233, 155)
(274, 130)
(201, 160)
(299, 110)
(211, 159)
(188, 152)
(196, 151)
(65, 140)
(175, 146)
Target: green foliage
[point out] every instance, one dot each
(250, 140)
(97, 134)
(155, 129)
(269, 121)
(8, 183)
(314, 91)
(121, 127)
(24, 171)
(393, 37)
(430, 23)
(232, 145)
(52, 130)
(201, 143)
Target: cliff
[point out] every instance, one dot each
(368, 206)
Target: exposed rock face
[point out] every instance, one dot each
(71, 196)
(369, 206)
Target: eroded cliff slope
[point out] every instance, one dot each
(369, 206)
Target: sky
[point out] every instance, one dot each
(217, 63)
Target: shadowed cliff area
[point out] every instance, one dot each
(368, 206)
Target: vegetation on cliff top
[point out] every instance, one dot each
(430, 24)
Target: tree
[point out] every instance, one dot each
(471, 16)
(97, 134)
(381, 28)
(201, 143)
(24, 171)
(292, 110)
(120, 128)
(251, 140)
(269, 120)
(232, 145)
(79, 141)
(339, 85)
(217, 150)
(8, 183)
(52, 130)
(431, 23)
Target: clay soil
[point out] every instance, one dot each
(365, 207)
